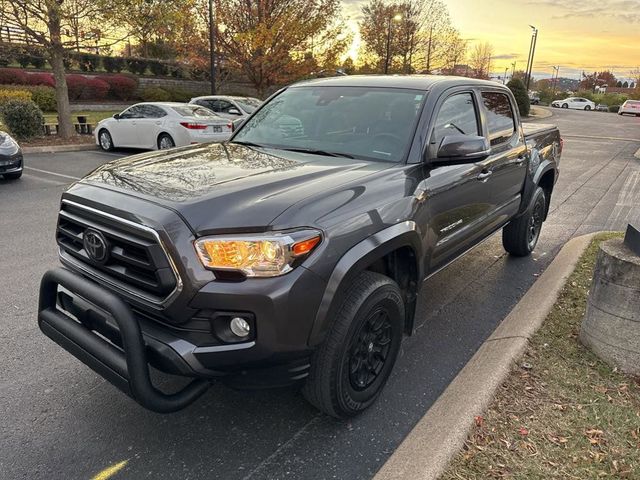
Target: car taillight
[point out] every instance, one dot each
(230, 126)
(193, 126)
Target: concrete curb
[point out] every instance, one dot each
(637, 154)
(60, 148)
(540, 112)
(438, 436)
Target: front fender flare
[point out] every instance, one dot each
(357, 259)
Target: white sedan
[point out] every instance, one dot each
(161, 125)
(631, 107)
(577, 103)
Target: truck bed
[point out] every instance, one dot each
(532, 129)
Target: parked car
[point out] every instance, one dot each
(630, 107)
(534, 98)
(161, 125)
(577, 103)
(228, 106)
(293, 255)
(602, 108)
(11, 161)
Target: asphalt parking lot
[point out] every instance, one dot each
(60, 420)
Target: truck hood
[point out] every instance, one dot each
(226, 186)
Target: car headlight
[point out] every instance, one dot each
(258, 255)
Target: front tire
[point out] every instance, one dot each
(105, 140)
(565, 105)
(520, 236)
(587, 108)
(352, 365)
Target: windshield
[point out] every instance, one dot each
(249, 105)
(359, 122)
(194, 111)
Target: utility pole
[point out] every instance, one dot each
(513, 72)
(504, 80)
(532, 52)
(212, 47)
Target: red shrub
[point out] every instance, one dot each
(121, 87)
(76, 84)
(41, 79)
(12, 76)
(95, 89)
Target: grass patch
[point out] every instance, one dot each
(93, 117)
(562, 413)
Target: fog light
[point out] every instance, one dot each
(239, 326)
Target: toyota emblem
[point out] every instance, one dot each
(95, 245)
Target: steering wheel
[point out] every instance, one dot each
(390, 142)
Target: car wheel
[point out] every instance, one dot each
(565, 105)
(520, 236)
(13, 176)
(165, 141)
(105, 140)
(350, 368)
(587, 108)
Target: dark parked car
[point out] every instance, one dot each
(295, 252)
(11, 162)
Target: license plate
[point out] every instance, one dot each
(217, 129)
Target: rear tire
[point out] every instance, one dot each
(565, 105)
(350, 368)
(520, 236)
(165, 141)
(587, 108)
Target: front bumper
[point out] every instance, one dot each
(119, 341)
(11, 164)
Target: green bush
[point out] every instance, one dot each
(38, 61)
(23, 118)
(113, 64)
(137, 65)
(614, 108)
(158, 68)
(522, 98)
(89, 62)
(44, 97)
(177, 94)
(155, 94)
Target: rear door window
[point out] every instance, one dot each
(500, 117)
(457, 116)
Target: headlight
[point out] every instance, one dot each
(259, 255)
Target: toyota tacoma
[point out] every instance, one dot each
(294, 252)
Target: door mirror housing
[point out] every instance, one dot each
(116, 116)
(234, 111)
(236, 124)
(462, 149)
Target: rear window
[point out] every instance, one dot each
(193, 111)
(500, 119)
(632, 102)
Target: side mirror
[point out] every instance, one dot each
(116, 116)
(462, 149)
(236, 124)
(234, 111)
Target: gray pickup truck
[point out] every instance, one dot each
(293, 253)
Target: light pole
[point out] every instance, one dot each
(513, 72)
(212, 47)
(397, 18)
(532, 52)
(504, 80)
(554, 79)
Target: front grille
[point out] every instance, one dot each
(135, 260)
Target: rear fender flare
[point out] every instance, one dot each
(357, 259)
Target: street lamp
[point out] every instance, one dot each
(397, 17)
(532, 52)
(554, 79)
(212, 47)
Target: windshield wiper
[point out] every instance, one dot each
(318, 152)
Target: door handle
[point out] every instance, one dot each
(520, 160)
(483, 176)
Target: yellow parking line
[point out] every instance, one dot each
(110, 471)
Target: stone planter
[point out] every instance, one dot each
(611, 326)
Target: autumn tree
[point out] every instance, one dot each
(272, 41)
(48, 24)
(416, 34)
(480, 60)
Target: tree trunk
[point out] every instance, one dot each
(56, 57)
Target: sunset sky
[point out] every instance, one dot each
(577, 35)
